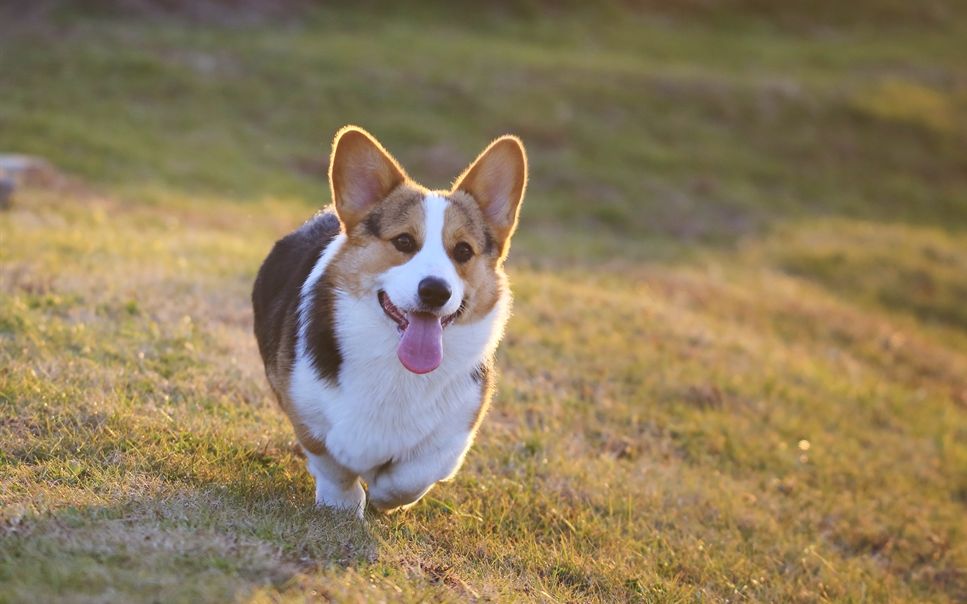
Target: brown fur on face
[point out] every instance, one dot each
(368, 251)
(482, 274)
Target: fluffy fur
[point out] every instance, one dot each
(332, 299)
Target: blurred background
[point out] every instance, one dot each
(701, 121)
(738, 365)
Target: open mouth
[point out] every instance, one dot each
(421, 340)
(401, 318)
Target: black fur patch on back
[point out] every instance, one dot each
(275, 296)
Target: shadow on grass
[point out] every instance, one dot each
(212, 534)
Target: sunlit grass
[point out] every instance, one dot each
(736, 368)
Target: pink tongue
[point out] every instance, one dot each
(421, 347)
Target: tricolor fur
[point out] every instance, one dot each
(378, 321)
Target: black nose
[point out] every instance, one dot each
(434, 292)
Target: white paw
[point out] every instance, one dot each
(352, 499)
(387, 499)
(336, 487)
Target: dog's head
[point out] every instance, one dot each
(429, 259)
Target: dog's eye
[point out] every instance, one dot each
(404, 243)
(462, 252)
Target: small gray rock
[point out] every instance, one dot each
(13, 163)
(19, 169)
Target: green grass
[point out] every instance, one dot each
(737, 368)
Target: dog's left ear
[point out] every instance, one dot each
(496, 180)
(361, 174)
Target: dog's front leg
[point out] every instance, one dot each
(336, 487)
(399, 485)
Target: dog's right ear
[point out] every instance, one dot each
(496, 180)
(361, 174)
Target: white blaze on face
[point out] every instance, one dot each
(402, 282)
(421, 345)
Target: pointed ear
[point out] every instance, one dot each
(496, 180)
(361, 174)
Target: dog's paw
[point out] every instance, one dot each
(351, 500)
(389, 500)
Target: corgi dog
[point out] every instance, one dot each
(378, 320)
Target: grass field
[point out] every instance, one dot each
(737, 369)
